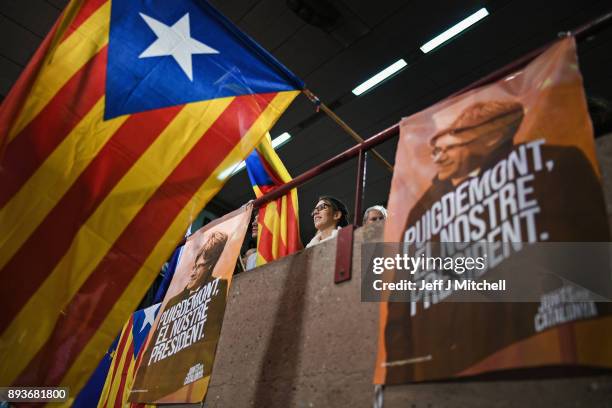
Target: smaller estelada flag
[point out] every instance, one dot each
(120, 130)
(278, 232)
(126, 358)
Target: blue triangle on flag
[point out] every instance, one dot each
(142, 323)
(257, 172)
(166, 53)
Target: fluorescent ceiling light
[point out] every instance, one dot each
(276, 143)
(381, 76)
(238, 168)
(454, 30)
(281, 140)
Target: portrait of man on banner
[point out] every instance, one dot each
(179, 356)
(477, 154)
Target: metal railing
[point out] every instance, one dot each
(360, 149)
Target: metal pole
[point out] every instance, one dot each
(332, 115)
(355, 136)
(333, 162)
(359, 186)
(592, 26)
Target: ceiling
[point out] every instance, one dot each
(334, 45)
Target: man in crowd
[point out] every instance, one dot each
(374, 214)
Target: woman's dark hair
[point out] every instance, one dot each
(337, 205)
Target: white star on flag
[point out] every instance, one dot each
(175, 41)
(149, 316)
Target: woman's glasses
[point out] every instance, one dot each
(318, 208)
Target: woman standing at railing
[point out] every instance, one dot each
(329, 215)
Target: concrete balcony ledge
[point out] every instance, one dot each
(292, 338)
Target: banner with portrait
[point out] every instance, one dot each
(508, 164)
(179, 355)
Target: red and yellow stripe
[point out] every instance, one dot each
(121, 368)
(122, 372)
(90, 209)
(278, 231)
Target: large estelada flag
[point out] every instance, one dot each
(119, 131)
(278, 221)
(126, 359)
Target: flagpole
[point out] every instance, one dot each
(315, 99)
